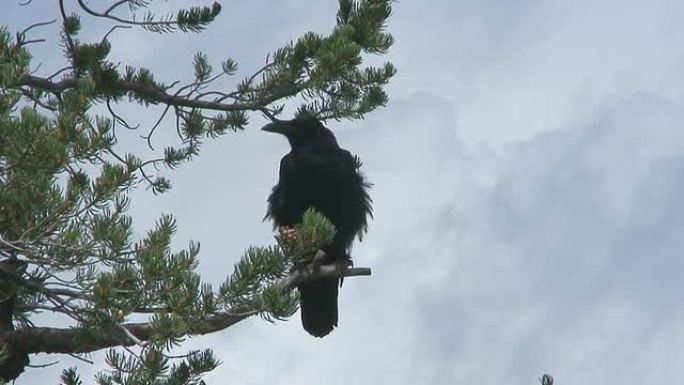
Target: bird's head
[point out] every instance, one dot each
(302, 131)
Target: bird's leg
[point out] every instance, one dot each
(312, 267)
(317, 261)
(342, 268)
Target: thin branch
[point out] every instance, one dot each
(76, 356)
(114, 28)
(67, 293)
(67, 37)
(119, 119)
(26, 42)
(114, 6)
(49, 78)
(158, 95)
(42, 365)
(20, 35)
(37, 101)
(132, 337)
(11, 245)
(107, 15)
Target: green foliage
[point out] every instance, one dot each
(325, 72)
(70, 377)
(253, 281)
(196, 18)
(14, 62)
(256, 282)
(314, 233)
(65, 182)
(154, 367)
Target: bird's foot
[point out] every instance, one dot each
(300, 269)
(342, 268)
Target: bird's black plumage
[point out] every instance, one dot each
(318, 173)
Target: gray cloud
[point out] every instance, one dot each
(568, 262)
(527, 181)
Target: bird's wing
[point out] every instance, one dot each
(357, 201)
(276, 203)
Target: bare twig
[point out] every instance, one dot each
(76, 356)
(114, 28)
(114, 6)
(119, 119)
(20, 35)
(67, 68)
(43, 365)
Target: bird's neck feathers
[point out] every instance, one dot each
(322, 141)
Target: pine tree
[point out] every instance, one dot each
(66, 241)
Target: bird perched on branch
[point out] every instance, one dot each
(318, 173)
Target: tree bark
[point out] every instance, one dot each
(14, 358)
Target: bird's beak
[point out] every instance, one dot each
(277, 127)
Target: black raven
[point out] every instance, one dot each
(318, 173)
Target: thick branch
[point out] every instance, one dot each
(57, 340)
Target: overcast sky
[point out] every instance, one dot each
(528, 178)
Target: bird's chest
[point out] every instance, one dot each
(320, 190)
(302, 187)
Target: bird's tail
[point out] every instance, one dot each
(318, 305)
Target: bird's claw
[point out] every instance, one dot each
(342, 267)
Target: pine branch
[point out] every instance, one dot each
(194, 19)
(61, 340)
(157, 94)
